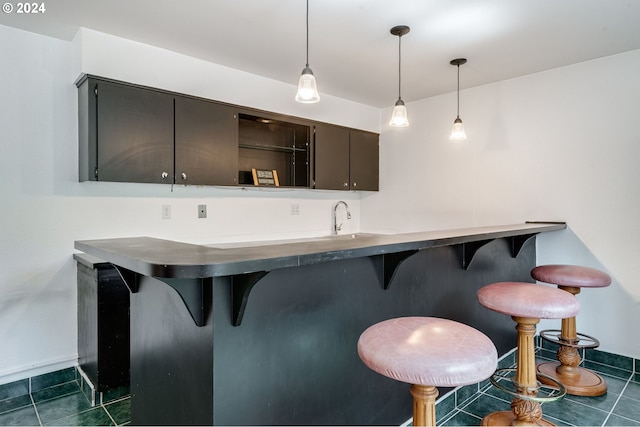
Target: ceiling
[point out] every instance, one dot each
(352, 53)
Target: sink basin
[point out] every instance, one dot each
(346, 236)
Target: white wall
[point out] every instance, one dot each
(45, 209)
(558, 145)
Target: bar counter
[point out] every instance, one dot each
(170, 259)
(265, 333)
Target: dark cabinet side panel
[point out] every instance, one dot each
(135, 134)
(103, 326)
(364, 155)
(87, 155)
(206, 143)
(331, 157)
(88, 321)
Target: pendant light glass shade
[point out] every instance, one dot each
(307, 89)
(399, 117)
(457, 133)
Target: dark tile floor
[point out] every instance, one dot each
(620, 406)
(52, 401)
(62, 404)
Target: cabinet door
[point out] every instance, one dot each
(134, 135)
(331, 157)
(206, 143)
(364, 157)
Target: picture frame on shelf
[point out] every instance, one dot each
(265, 177)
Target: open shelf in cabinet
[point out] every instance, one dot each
(273, 144)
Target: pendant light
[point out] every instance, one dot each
(307, 89)
(399, 115)
(457, 133)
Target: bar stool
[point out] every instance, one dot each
(577, 380)
(427, 352)
(526, 303)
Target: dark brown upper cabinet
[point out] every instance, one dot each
(206, 142)
(126, 133)
(364, 160)
(131, 133)
(135, 134)
(331, 157)
(345, 159)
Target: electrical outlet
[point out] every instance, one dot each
(166, 211)
(202, 211)
(295, 209)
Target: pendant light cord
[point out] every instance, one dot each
(399, 64)
(307, 33)
(458, 110)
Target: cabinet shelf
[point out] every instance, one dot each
(268, 147)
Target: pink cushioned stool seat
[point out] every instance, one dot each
(526, 303)
(577, 380)
(571, 275)
(427, 352)
(528, 300)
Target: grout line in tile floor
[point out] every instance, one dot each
(616, 403)
(35, 408)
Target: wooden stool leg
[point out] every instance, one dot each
(568, 357)
(523, 412)
(527, 412)
(424, 405)
(578, 381)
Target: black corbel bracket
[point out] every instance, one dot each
(389, 263)
(130, 278)
(466, 251)
(195, 293)
(241, 285)
(517, 242)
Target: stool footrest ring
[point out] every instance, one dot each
(506, 383)
(582, 340)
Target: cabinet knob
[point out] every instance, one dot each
(345, 185)
(164, 175)
(184, 176)
(355, 184)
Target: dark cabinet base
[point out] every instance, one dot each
(294, 360)
(103, 324)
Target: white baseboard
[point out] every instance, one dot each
(27, 371)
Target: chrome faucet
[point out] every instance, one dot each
(337, 227)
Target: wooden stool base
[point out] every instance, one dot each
(506, 418)
(587, 383)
